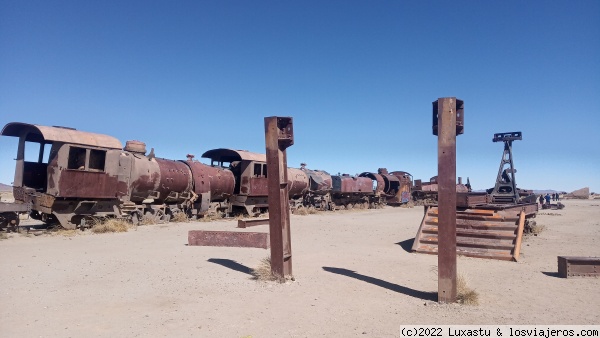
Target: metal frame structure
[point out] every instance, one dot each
(505, 190)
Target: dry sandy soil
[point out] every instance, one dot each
(354, 277)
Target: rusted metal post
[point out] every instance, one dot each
(279, 135)
(447, 123)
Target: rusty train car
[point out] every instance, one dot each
(428, 191)
(67, 176)
(307, 188)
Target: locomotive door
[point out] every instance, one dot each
(259, 185)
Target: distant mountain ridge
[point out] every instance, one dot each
(547, 191)
(5, 187)
(535, 191)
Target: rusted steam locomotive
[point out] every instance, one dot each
(67, 176)
(75, 175)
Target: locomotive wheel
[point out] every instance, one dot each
(10, 221)
(349, 206)
(134, 218)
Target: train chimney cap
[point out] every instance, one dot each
(135, 146)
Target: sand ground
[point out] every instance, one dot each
(354, 277)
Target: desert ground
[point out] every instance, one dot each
(354, 276)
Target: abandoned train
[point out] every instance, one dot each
(74, 176)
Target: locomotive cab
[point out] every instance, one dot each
(44, 154)
(250, 172)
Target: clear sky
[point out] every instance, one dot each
(358, 77)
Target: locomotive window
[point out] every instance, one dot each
(32, 151)
(264, 170)
(97, 159)
(76, 158)
(257, 170)
(47, 149)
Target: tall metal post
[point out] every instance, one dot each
(279, 135)
(447, 123)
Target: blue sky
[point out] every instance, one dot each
(358, 77)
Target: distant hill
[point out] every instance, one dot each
(5, 187)
(535, 191)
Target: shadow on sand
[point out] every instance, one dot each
(407, 244)
(233, 265)
(386, 285)
(551, 274)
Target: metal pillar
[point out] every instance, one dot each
(447, 123)
(279, 135)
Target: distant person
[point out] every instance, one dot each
(541, 200)
(558, 196)
(547, 198)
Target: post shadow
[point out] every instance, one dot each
(407, 244)
(381, 283)
(233, 265)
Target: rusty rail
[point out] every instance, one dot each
(244, 223)
(279, 135)
(519, 239)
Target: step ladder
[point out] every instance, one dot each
(480, 233)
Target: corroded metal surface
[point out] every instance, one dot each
(466, 199)
(143, 175)
(86, 184)
(572, 266)
(135, 146)
(351, 185)
(219, 182)
(228, 238)
(256, 186)
(378, 183)
(297, 182)
(391, 183)
(459, 109)
(320, 181)
(14, 207)
(481, 233)
(279, 135)
(175, 181)
(405, 186)
(244, 223)
(446, 126)
(36, 133)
